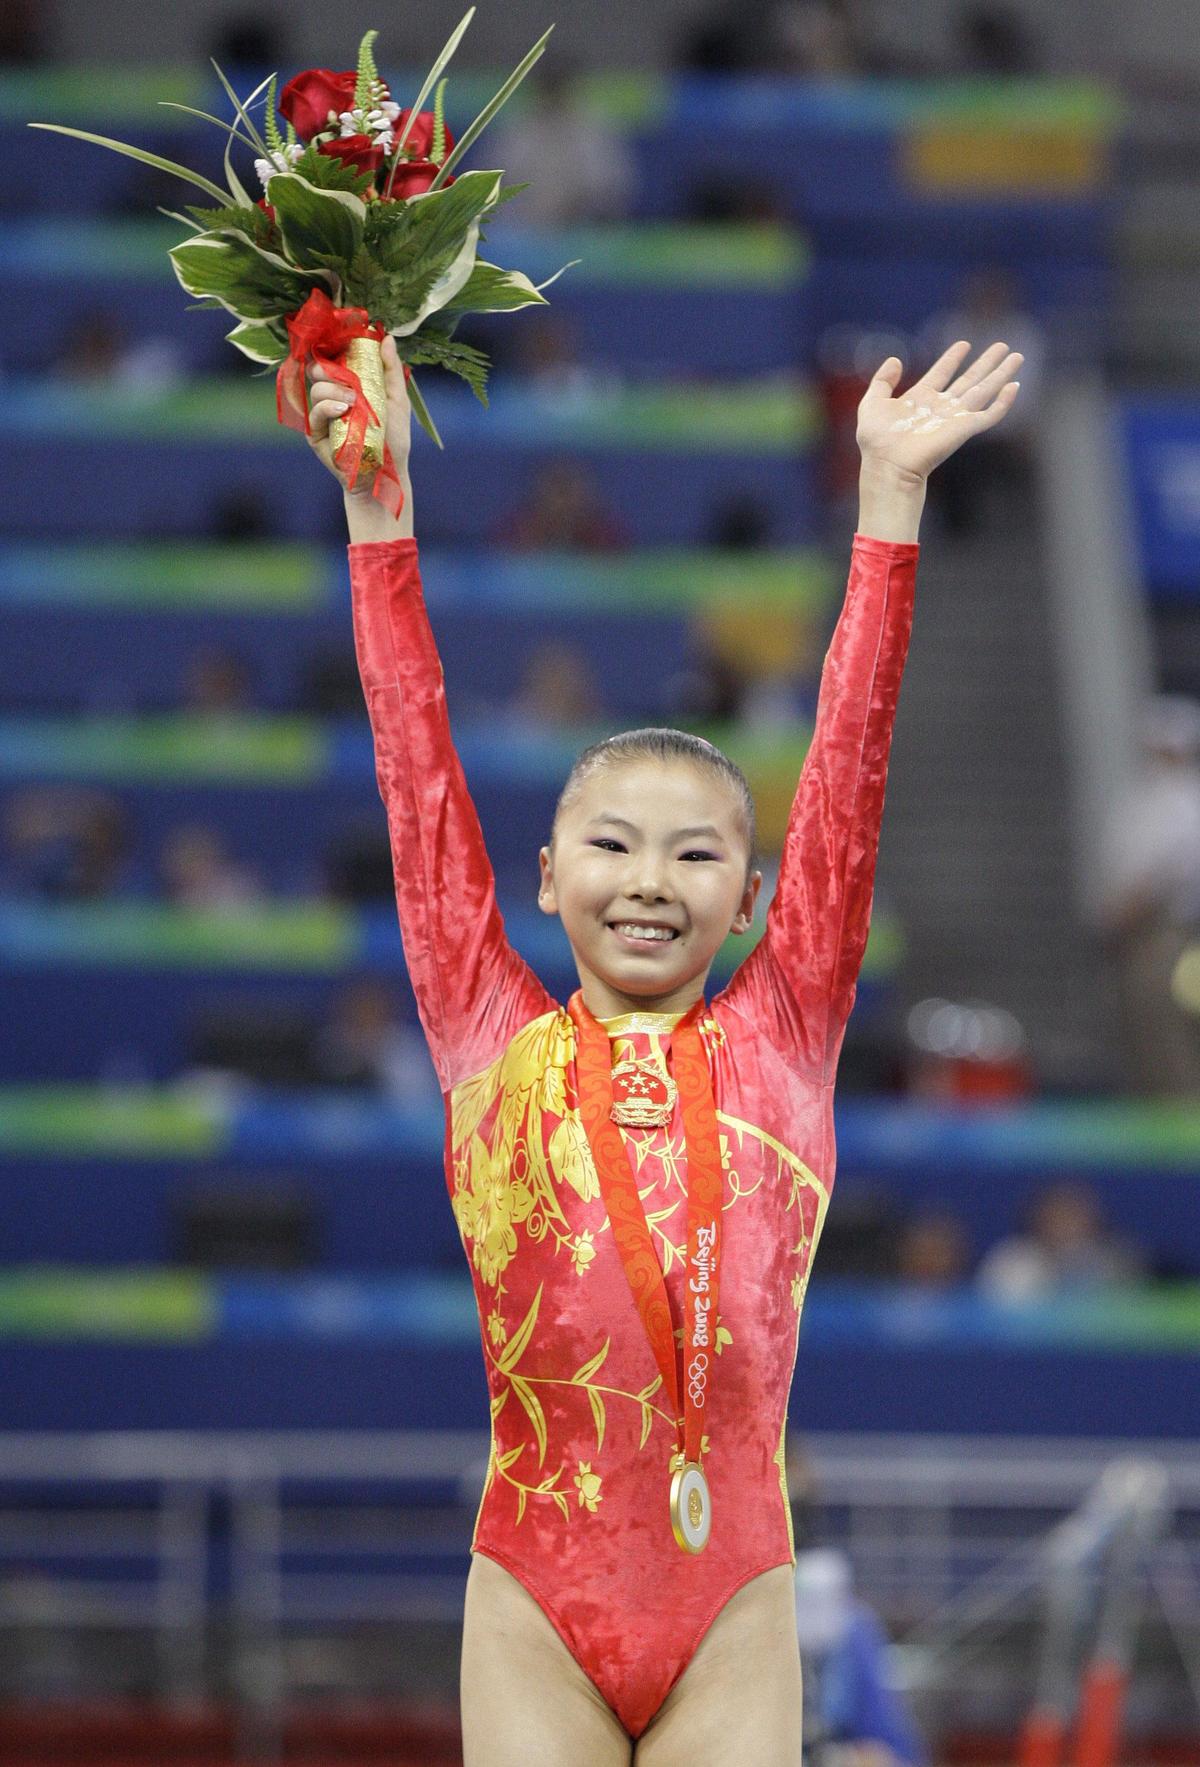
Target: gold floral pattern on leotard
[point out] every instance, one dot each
(521, 1167)
(588, 1483)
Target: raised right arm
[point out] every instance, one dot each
(473, 991)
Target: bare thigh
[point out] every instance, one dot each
(525, 1700)
(739, 1699)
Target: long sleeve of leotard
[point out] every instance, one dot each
(473, 991)
(798, 984)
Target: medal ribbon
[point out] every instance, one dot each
(631, 1232)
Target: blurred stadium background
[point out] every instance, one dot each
(240, 1382)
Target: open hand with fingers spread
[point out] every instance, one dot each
(916, 431)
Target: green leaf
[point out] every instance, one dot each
(461, 359)
(506, 193)
(430, 251)
(207, 116)
(431, 224)
(365, 283)
(138, 153)
(451, 44)
(248, 282)
(242, 110)
(489, 110)
(270, 121)
(488, 289)
(421, 412)
(319, 227)
(328, 173)
(520, 1505)
(262, 343)
(368, 73)
(437, 147)
(240, 193)
(252, 221)
(174, 215)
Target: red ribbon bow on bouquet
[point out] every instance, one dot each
(319, 335)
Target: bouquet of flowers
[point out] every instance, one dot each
(363, 228)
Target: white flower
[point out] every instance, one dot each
(391, 111)
(279, 161)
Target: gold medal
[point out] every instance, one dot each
(691, 1507)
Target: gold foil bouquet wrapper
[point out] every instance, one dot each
(364, 356)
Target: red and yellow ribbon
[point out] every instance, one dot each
(319, 336)
(631, 1233)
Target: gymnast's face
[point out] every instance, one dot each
(656, 845)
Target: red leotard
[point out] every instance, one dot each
(575, 1504)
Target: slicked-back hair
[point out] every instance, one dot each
(658, 743)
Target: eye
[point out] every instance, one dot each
(698, 855)
(606, 843)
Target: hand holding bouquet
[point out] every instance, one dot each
(363, 231)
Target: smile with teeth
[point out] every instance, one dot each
(629, 929)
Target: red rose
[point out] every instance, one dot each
(420, 136)
(266, 208)
(358, 152)
(307, 100)
(412, 178)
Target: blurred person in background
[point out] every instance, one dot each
(67, 845)
(1066, 1247)
(557, 693)
(217, 684)
(845, 361)
(1148, 892)
(854, 1715)
(933, 1252)
(366, 1046)
(995, 42)
(816, 39)
(727, 40)
(97, 352)
(23, 34)
(1001, 473)
(241, 513)
(563, 512)
(579, 170)
(249, 41)
(198, 872)
(547, 356)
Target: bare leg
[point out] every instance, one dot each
(739, 1699)
(525, 1700)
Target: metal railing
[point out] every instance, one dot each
(219, 1550)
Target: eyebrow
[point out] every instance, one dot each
(679, 834)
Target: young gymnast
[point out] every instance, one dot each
(640, 1179)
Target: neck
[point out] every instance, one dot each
(605, 1001)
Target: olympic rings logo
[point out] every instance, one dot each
(698, 1379)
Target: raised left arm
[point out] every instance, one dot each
(798, 985)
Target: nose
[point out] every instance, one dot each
(647, 880)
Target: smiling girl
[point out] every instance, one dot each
(640, 1179)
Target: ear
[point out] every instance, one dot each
(745, 913)
(547, 901)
